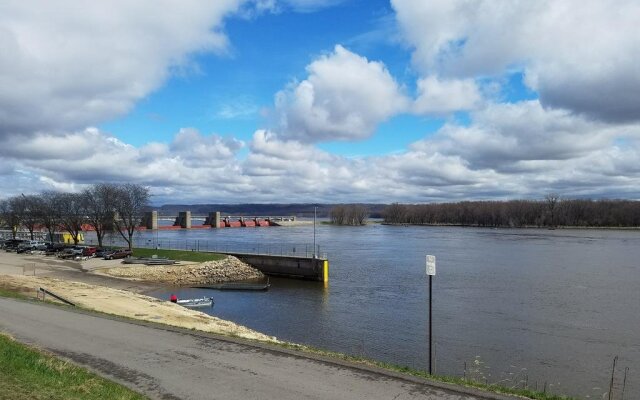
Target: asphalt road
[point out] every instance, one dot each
(166, 364)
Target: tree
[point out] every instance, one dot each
(8, 217)
(357, 214)
(552, 201)
(51, 209)
(31, 212)
(131, 201)
(71, 210)
(100, 203)
(396, 213)
(14, 213)
(338, 214)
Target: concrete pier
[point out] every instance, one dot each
(151, 219)
(183, 220)
(308, 268)
(213, 219)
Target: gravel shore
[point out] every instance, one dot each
(227, 270)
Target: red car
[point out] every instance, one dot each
(89, 251)
(122, 253)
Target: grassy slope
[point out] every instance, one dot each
(29, 374)
(180, 255)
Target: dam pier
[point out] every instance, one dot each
(215, 220)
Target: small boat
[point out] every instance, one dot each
(201, 302)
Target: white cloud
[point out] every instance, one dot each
(437, 96)
(500, 154)
(65, 65)
(503, 135)
(578, 55)
(344, 97)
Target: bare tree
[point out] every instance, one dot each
(31, 213)
(131, 202)
(358, 214)
(552, 202)
(8, 217)
(349, 214)
(395, 213)
(51, 209)
(100, 202)
(71, 210)
(15, 213)
(338, 214)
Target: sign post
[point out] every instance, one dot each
(431, 271)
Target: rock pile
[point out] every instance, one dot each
(227, 270)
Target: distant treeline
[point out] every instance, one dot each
(550, 212)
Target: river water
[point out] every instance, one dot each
(546, 306)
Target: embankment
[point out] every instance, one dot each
(130, 305)
(227, 270)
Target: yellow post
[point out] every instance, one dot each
(325, 271)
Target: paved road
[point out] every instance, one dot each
(177, 365)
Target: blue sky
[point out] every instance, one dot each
(226, 93)
(323, 100)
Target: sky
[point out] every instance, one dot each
(322, 101)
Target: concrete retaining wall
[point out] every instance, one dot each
(316, 269)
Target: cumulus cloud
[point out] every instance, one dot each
(66, 65)
(502, 135)
(437, 96)
(499, 154)
(344, 97)
(578, 55)
(196, 148)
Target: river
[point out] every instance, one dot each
(546, 306)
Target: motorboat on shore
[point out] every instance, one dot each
(194, 303)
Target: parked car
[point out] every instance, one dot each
(23, 248)
(54, 248)
(101, 253)
(70, 252)
(89, 251)
(12, 244)
(121, 253)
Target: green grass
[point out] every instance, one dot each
(4, 292)
(494, 388)
(26, 373)
(180, 255)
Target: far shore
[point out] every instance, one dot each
(613, 228)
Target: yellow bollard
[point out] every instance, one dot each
(325, 271)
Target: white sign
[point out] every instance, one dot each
(431, 265)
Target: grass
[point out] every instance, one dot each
(12, 293)
(26, 373)
(180, 255)
(494, 388)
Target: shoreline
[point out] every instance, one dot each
(547, 228)
(84, 284)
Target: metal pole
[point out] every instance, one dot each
(613, 373)
(430, 324)
(315, 210)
